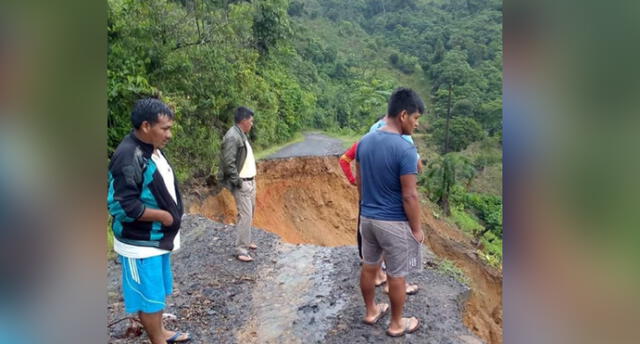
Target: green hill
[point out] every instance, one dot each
(312, 64)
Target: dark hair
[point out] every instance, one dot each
(148, 109)
(404, 99)
(243, 113)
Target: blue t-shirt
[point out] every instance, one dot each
(383, 158)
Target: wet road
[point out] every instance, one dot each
(314, 144)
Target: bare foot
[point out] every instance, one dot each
(382, 309)
(408, 325)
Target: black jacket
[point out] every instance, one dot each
(135, 184)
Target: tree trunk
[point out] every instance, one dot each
(446, 189)
(446, 127)
(445, 205)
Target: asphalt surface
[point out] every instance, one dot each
(314, 144)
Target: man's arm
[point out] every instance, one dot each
(124, 201)
(345, 163)
(229, 152)
(411, 204)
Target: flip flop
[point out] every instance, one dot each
(383, 308)
(178, 334)
(409, 290)
(406, 328)
(244, 260)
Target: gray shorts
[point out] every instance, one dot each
(393, 240)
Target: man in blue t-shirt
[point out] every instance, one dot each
(386, 168)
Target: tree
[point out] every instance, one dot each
(443, 173)
(270, 24)
(490, 115)
(453, 70)
(296, 9)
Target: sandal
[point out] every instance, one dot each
(177, 335)
(406, 328)
(383, 308)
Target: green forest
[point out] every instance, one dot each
(325, 65)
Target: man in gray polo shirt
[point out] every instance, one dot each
(386, 168)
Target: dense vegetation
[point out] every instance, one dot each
(324, 64)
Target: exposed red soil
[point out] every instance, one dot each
(308, 200)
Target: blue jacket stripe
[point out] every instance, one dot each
(115, 208)
(150, 201)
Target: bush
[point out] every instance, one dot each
(488, 208)
(465, 221)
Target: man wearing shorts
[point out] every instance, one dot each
(146, 206)
(386, 168)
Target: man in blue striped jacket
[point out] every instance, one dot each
(146, 206)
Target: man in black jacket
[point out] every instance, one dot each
(146, 206)
(238, 167)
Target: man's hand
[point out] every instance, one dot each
(167, 219)
(419, 236)
(157, 215)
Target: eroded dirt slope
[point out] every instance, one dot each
(307, 200)
(303, 200)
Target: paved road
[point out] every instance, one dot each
(314, 144)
